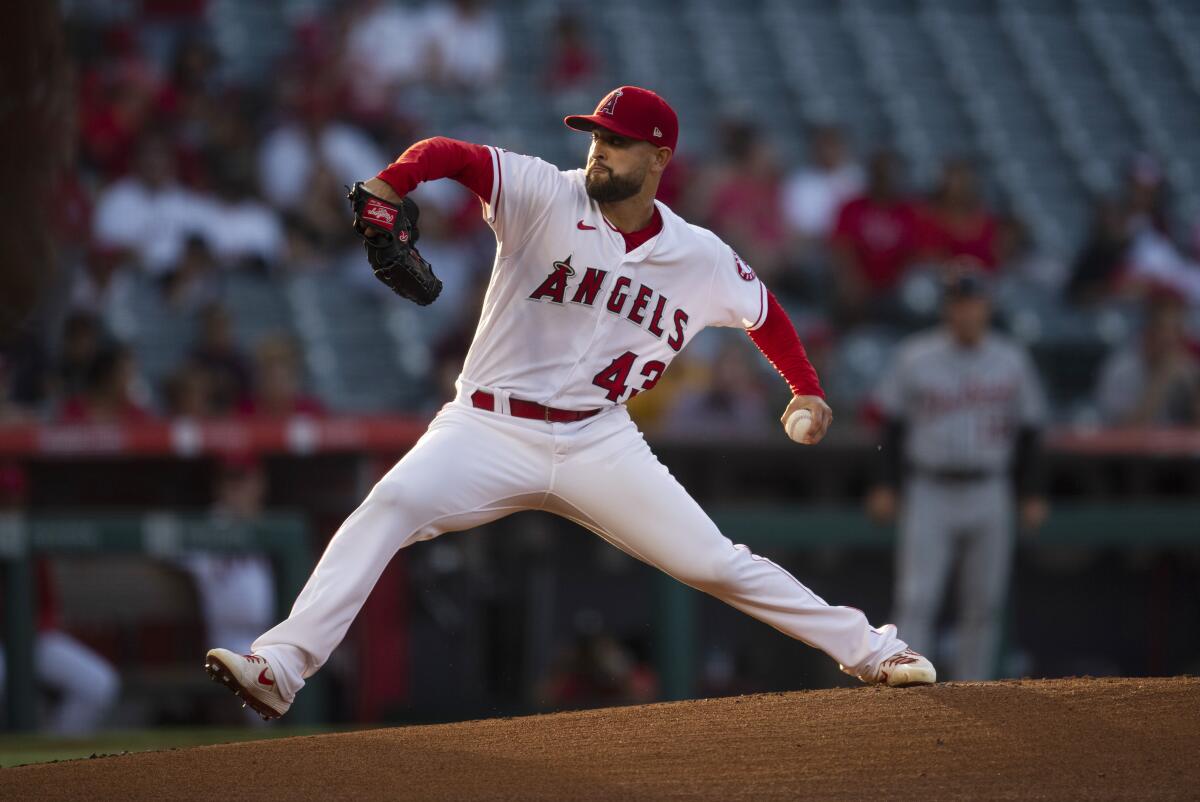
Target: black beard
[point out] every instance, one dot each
(605, 187)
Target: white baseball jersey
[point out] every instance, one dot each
(573, 321)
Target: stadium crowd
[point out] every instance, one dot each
(186, 174)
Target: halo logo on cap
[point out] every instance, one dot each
(609, 105)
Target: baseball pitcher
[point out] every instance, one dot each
(596, 287)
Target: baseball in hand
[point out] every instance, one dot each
(798, 423)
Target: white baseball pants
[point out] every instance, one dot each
(474, 466)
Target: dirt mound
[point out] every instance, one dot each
(1047, 739)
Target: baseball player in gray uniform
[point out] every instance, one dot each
(962, 410)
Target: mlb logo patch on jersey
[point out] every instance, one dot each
(743, 269)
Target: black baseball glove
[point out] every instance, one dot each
(389, 232)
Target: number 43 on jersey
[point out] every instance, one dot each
(615, 377)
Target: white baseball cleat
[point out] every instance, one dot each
(250, 677)
(904, 669)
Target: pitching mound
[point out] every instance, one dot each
(1119, 739)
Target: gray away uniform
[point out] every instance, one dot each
(957, 414)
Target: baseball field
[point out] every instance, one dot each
(1119, 739)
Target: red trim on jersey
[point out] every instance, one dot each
(635, 239)
(762, 306)
(494, 205)
(780, 344)
(442, 157)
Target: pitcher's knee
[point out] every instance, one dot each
(407, 508)
(392, 493)
(713, 573)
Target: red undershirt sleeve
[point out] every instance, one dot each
(780, 344)
(441, 157)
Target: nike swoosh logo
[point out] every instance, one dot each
(582, 226)
(262, 678)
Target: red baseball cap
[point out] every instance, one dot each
(633, 112)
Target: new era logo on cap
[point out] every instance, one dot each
(633, 112)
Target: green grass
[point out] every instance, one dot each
(19, 750)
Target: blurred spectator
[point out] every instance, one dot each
(732, 403)
(956, 221)
(116, 103)
(277, 391)
(875, 239)
(192, 77)
(962, 411)
(1020, 255)
(311, 141)
(112, 391)
(190, 101)
(101, 285)
(319, 218)
(82, 684)
(303, 251)
(1101, 261)
(816, 192)
(244, 231)
(466, 42)
(149, 214)
(1145, 200)
(1154, 381)
(377, 73)
(193, 281)
(218, 355)
(188, 393)
(1130, 251)
(744, 204)
(1155, 262)
(573, 66)
(1154, 259)
(83, 339)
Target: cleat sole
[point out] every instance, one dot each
(218, 672)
